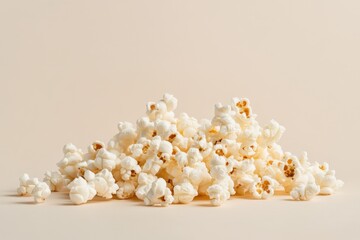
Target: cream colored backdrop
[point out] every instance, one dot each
(70, 70)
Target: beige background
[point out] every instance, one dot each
(70, 70)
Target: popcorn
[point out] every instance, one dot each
(271, 134)
(56, 181)
(81, 191)
(93, 149)
(105, 160)
(184, 193)
(103, 182)
(126, 190)
(263, 188)
(40, 192)
(129, 168)
(325, 178)
(145, 182)
(218, 194)
(305, 187)
(27, 185)
(158, 194)
(72, 165)
(165, 159)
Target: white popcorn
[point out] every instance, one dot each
(244, 176)
(218, 194)
(81, 191)
(271, 134)
(121, 141)
(158, 194)
(72, 165)
(129, 168)
(184, 193)
(242, 107)
(103, 182)
(160, 152)
(263, 188)
(56, 181)
(27, 185)
(166, 158)
(145, 181)
(305, 187)
(93, 149)
(187, 126)
(325, 178)
(126, 190)
(170, 101)
(40, 192)
(105, 160)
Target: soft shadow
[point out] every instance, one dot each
(10, 195)
(26, 203)
(69, 204)
(291, 200)
(134, 199)
(61, 195)
(247, 197)
(209, 205)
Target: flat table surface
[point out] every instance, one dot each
(324, 217)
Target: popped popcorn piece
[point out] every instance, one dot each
(40, 192)
(184, 193)
(158, 194)
(126, 190)
(305, 187)
(271, 134)
(56, 181)
(145, 181)
(325, 178)
(263, 188)
(72, 165)
(103, 182)
(105, 160)
(93, 149)
(218, 194)
(129, 168)
(121, 141)
(81, 191)
(27, 185)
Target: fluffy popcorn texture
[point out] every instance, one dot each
(81, 191)
(184, 193)
(27, 184)
(103, 182)
(165, 159)
(158, 194)
(56, 181)
(40, 192)
(126, 190)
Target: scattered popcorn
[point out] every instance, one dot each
(56, 181)
(41, 192)
(27, 185)
(165, 159)
(305, 187)
(81, 191)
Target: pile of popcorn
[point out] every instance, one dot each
(166, 159)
